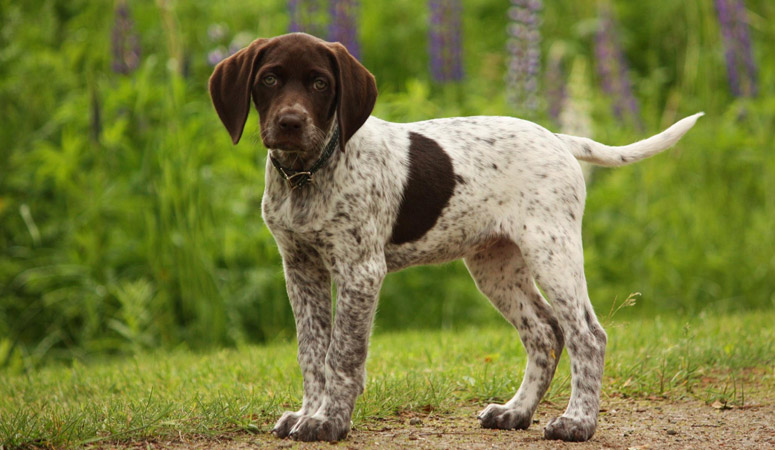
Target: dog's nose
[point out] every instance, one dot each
(290, 122)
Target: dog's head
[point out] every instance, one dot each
(298, 83)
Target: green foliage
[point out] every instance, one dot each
(151, 395)
(129, 221)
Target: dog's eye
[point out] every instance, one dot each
(320, 84)
(269, 80)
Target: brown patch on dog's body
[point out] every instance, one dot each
(428, 189)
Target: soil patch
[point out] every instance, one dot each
(623, 423)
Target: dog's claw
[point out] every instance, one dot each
(285, 425)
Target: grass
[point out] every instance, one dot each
(166, 393)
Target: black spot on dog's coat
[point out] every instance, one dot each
(427, 191)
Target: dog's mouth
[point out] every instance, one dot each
(286, 145)
(302, 143)
(289, 148)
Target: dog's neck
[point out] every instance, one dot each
(299, 170)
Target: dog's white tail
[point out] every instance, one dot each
(593, 152)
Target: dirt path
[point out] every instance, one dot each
(624, 423)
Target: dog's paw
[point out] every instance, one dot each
(317, 428)
(504, 418)
(286, 423)
(570, 429)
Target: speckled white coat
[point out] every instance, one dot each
(513, 213)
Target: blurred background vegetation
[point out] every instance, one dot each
(128, 221)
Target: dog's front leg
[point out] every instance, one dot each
(357, 292)
(309, 290)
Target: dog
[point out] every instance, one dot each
(349, 197)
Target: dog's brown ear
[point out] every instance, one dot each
(231, 84)
(356, 92)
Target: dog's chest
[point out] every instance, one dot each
(341, 224)
(300, 217)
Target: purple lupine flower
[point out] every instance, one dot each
(125, 41)
(456, 40)
(217, 32)
(217, 55)
(294, 10)
(727, 32)
(306, 17)
(744, 38)
(344, 27)
(524, 53)
(436, 41)
(737, 47)
(445, 40)
(613, 70)
(221, 52)
(555, 83)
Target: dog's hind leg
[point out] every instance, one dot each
(552, 250)
(501, 274)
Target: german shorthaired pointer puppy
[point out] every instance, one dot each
(350, 197)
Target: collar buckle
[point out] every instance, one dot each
(297, 179)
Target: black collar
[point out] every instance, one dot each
(298, 178)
